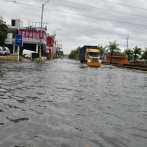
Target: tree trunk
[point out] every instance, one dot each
(111, 58)
(134, 58)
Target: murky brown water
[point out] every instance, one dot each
(62, 103)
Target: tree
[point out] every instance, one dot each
(144, 55)
(75, 53)
(101, 49)
(112, 47)
(129, 53)
(136, 51)
(3, 33)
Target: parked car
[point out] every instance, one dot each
(5, 50)
(1, 50)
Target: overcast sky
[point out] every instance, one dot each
(79, 30)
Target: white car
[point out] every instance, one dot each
(1, 50)
(5, 50)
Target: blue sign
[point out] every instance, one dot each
(18, 40)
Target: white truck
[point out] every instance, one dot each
(27, 53)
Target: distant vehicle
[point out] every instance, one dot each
(4, 51)
(90, 55)
(27, 53)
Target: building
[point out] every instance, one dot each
(31, 36)
(51, 44)
(1, 19)
(117, 59)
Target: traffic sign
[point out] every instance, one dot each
(18, 40)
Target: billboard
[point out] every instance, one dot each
(32, 34)
(8, 40)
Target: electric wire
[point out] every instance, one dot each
(101, 8)
(84, 15)
(123, 5)
(107, 2)
(97, 17)
(89, 7)
(27, 10)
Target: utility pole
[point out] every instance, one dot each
(41, 32)
(127, 41)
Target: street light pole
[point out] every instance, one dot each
(41, 31)
(58, 48)
(55, 31)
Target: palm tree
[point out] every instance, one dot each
(136, 51)
(129, 53)
(112, 47)
(144, 55)
(101, 49)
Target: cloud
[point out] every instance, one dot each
(79, 30)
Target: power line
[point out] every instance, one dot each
(97, 17)
(124, 5)
(104, 9)
(89, 7)
(28, 10)
(101, 8)
(84, 15)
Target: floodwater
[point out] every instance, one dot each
(63, 103)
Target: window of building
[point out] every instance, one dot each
(13, 22)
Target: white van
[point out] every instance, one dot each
(27, 53)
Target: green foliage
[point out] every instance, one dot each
(136, 51)
(111, 48)
(75, 53)
(3, 33)
(118, 54)
(101, 49)
(144, 55)
(129, 53)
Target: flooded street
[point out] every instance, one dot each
(63, 103)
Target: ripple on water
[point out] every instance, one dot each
(62, 103)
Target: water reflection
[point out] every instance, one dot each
(63, 103)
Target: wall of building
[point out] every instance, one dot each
(18, 22)
(1, 20)
(52, 43)
(117, 59)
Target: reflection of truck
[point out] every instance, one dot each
(90, 54)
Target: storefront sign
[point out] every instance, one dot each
(8, 40)
(32, 34)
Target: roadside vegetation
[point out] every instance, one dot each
(75, 53)
(3, 33)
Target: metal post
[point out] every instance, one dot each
(41, 35)
(18, 53)
(7, 55)
(41, 32)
